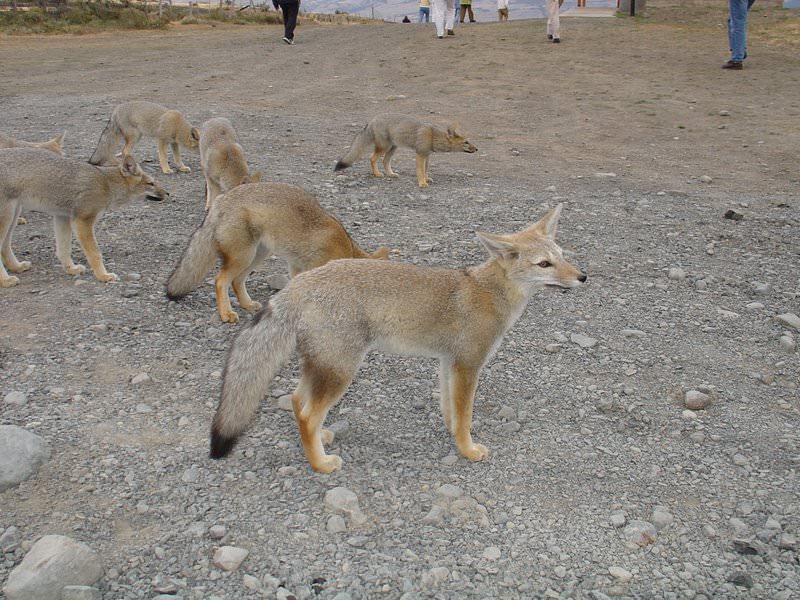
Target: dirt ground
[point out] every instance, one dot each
(630, 122)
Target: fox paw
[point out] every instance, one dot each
(251, 305)
(20, 267)
(377, 174)
(328, 463)
(392, 174)
(184, 169)
(166, 171)
(76, 269)
(21, 221)
(9, 281)
(107, 277)
(476, 452)
(423, 184)
(229, 317)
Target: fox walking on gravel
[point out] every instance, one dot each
(132, 120)
(74, 193)
(385, 133)
(337, 313)
(249, 223)
(222, 158)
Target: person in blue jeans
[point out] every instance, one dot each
(737, 33)
(424, 11)
(290, 8)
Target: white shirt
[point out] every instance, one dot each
(502, 4)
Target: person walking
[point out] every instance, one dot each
(466, 7)
(737, 33)
(424, 11)
(290, 9)
(553, 23)
(502, 10)
(443, 13)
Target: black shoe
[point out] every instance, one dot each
(549, 36)
(556, 40)
(287, 40)
(441, 37)
(450, 32)
(735, 65)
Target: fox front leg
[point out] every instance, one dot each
(63, 231)
(84, 229)
(463, 381)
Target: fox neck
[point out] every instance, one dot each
(509, 297)
(117, 187)
(439, 142)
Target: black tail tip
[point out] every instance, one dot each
(172, 295)
(340, 165)
(221, 445)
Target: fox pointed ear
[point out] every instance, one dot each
(498, 246)
(129, 166)
(59, 139)
(381, 253)
(195, 134)
(548, 224)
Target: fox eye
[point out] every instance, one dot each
(544, 264)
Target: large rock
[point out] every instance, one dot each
(21, 455)
(55, 561)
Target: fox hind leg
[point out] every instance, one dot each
(63, 232)
(387, 162)
(8, 216)
(11, 262)
(319, 389)
(238, 283)
(373, 162)
(422, 170)
(176, 154)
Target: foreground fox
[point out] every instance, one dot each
(74, 193)
(132, 120)
(54, 145)
(248, 224)
(385, 133)
(337, 313)
(222, 159)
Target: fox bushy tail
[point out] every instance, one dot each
(257, 355)
(361, 143)
(197, 259)
(108, 142)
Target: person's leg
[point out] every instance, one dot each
(737, 10)
(291, 19)
(438, 8)
(553, 24)
(450, 15)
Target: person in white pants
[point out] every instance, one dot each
(553, 25)
(443, 12)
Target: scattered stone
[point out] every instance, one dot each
(560, 571)
(228, 558)
(741, 579)
(140, 379)
(695, 400)
(435, 576)
(640, 533)
(336, 524)
(733, 215)
(628, 333)
(552, 348)
(277, 281)
(744, 547)
(584, 341)
(506, 412)
(9, 540)
(250, 582)
(705, 179)
(787, 343)
(80, 592)
(724, 113)
(53, 562)
(492, 553)
(21, 455)
(218, 531)
(342, 500)
(285, 402)
(676, 274)
(340, 429)
(789, 320)
(620, 574)
(605, 175)
(16, 398)
(761, 289)
(661, 519)
(617, 520)
(550, 188)
(787, 541)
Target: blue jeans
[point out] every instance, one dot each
(424, 14)
(737, 25)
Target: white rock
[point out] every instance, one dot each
(676, 274)
(584, 341)
(228, 558)
(15, 398)
(552, 348)
(633, 333)
(661, 519)
(218, 531)
(54, 561)
(342, 500)
(787, 343)
(640, 533)
(285, 402)
(787, 541)
(140, 379)
(21, 455)
(336, 524)
(250, 582)
(492, 553)
(620, 574)
(450, 491)
(789, 319)
(617, 520)
(80, 592)
(602, 175)
(705, 179)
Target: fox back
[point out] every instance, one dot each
(222, 158)
(53, 145)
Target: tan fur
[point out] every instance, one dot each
(53, 145)
(249, 223)
(385, 133)
(222, 159)
(132, 120)
(336, 314)
(74, 193)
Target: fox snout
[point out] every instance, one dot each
(156, 194)
(467, 147)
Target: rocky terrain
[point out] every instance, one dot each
(643, 429)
